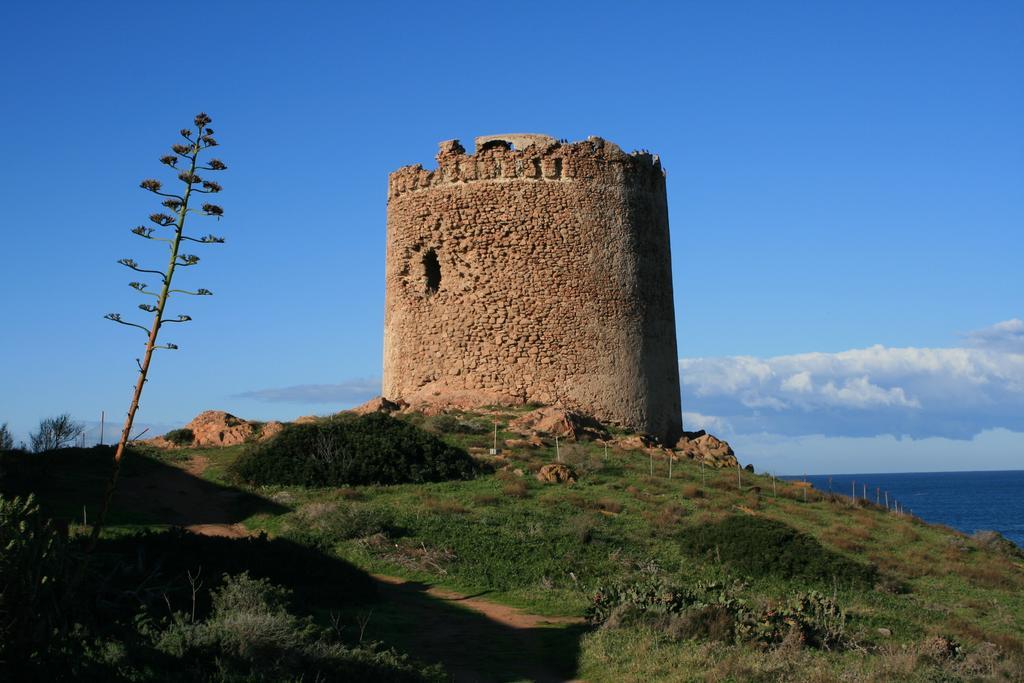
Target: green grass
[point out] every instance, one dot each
(546, 547)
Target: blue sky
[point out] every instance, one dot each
(845, 184)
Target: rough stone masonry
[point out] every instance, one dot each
(533, 271)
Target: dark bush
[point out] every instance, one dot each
(758, 546)
(353, 449)
(36, 601)
(6, 440)
(181, 437)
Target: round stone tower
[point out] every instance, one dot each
(533, 271)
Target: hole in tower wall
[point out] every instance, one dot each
(431, 270)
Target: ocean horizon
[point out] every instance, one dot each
(967, 501)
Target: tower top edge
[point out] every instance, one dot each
(532, 145)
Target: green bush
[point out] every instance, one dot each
(763, 547)
(351, 449)
(711, 610)
(181, 437)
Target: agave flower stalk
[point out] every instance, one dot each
(170, 229)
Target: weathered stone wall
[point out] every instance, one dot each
(536, 274)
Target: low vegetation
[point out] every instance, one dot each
(695, 577)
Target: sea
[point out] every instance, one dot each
(968, 501)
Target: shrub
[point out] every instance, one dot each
(711, 622)
(443, 506)
(6, 440)
(56, 432)
(583, 526)
(351, 449)
(515, 489)
(691, 491)
(815, 618)
(710, 610)
(667, 517)
(251, 635)
(760, 546)
(325, 526)
(181, 437)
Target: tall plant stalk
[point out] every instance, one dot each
(196, 142)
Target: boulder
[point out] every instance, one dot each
(378, 405)
(635, 442)
(704, 447)
(558, 422)
(556, 473)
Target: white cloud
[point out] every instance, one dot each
(921, 392)
(1005, 336)
(695, 421)
(800, 383)
(859, 392)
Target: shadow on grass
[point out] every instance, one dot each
(163, 561)
(68, 484)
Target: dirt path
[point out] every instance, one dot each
(502, 614)
(479, 640)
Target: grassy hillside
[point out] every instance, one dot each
(694, 577)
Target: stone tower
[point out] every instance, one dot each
(533, 271)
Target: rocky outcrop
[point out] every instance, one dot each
(216, 428)
(379, 405)
(556, 421)
(556, 473)
(703, 447)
